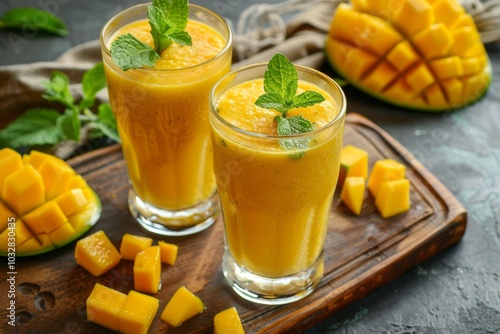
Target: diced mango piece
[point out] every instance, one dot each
(6, 215)
(228, 322)
(28, 245)
(22, 233)
(10, 161)
(359, 60)
(447, 11)
(413, 16)
(380, 77)
(96, 253)
(435, 95)
(353, 192)
(104, 305)
(147, 270)
(71, 201)
(23, 190)
(132, 245)
(393, 198)
(181, 307)
(60, 235)
(434, 41)
(168, 252)
(385, 170)
(464, 39)
(55, 177)
(419, 77)
(353, 162)
(454, 90)
(449, 67)
(137, 313)
(402, 56)
(46, 218)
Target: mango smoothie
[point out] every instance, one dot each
(275, 204)
(162, 117)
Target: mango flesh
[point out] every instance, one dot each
(181, 307)
(353, 162)
(228, 322)
(352, 193)
(132, 245)
(147, 270)
(168, 252)
(419, 54)
(45, 202)
(96, 254)
(393, 198)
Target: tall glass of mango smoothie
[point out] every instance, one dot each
(162, 111)
(275, 190)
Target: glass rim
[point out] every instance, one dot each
(336, 120)
(220, 54)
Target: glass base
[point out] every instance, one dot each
(187, 221)
(271, 291)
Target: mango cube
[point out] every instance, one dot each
(137, 313)
(147, 270)
(10, 161)
(23, 190)
(71, 201)
(132, 245)
(168, 252)
(104, 305)
(393, 198)
(96, 253)
(182, 306)
(353, 162)
(228, 322)
(46, 218)
(385, 170)
(353, 192)
(61, 234)
(55, 176)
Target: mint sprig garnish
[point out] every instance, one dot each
(33, 19)
(48, 126)
(168, 20)
(280, 86)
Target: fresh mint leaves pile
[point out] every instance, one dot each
(47, 126)
(280, 86)
(168, 20)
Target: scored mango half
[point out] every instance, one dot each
(419, 54)
(44, 203)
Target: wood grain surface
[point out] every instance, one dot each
(361, 253)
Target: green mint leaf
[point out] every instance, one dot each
(106, 122)
(176, 11)
(69, 125)
(281, 78)
(34, 127)
(181, 38)
(32, 19)
(291, 126)
(128, 52)
(272, 101)
(57, 89)
(92, 82)
(307, 98)
(160, 25)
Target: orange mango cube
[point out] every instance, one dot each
(132, 245)
(96, 253)
(228, 322)
(353, 162)
(10, 161)
(353, 192)
(385, 170)
(181, 307)
(393, 198)
(147, 270)
(23, 190)
(168, 252)
(137, 313)
(104, 305)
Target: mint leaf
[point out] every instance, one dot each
(307, 98)
(176, 11)
(159, 26)
(57, 89)
(31, 19)
(128, 52)
(106, 122)
(181, 38)
(281, 78)
(92, 82)
(281, 82)
(34, 127)
(69, 125)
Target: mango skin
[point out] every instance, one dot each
(416, 54)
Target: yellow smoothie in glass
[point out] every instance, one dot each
(162, 115)
(275, 207)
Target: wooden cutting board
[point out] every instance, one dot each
(361, 253)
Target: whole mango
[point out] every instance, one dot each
(418, 54)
